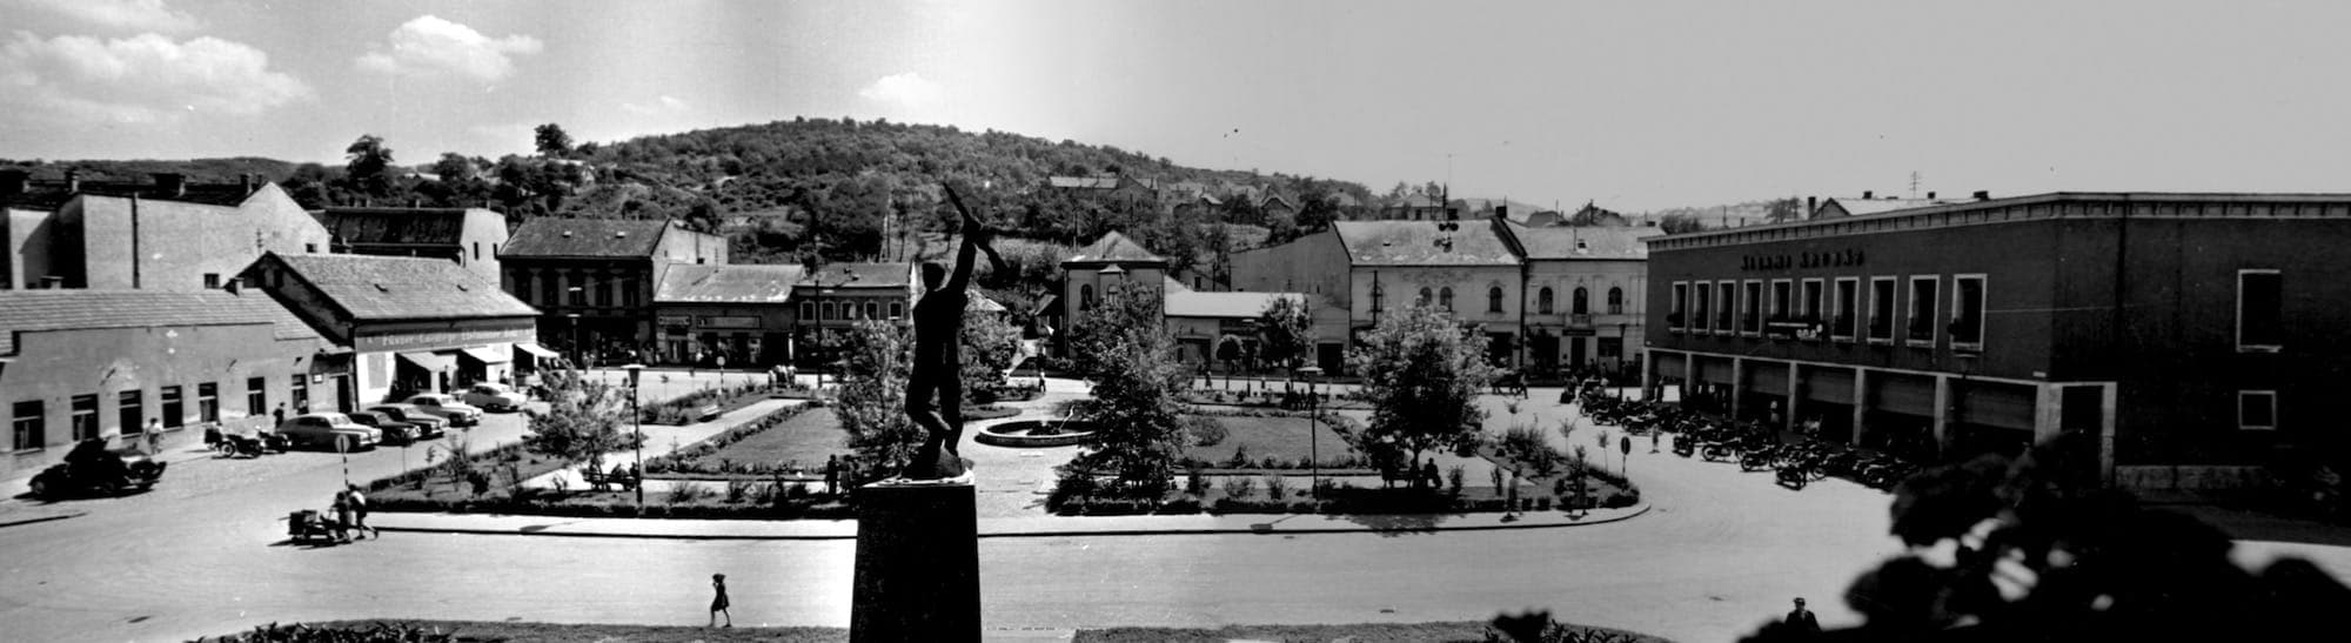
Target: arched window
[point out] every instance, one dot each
(1615, 300)
(1086, 297)
(1424, 297)
(1543, 301)
(1445, 298)
(1582, 303)
(1494, 299)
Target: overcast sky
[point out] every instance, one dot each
(1637, 105)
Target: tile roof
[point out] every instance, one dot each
(728, 283)
(51, 199)
(1420, 243)
(394, 225)
(1584, 242)
(869, 275)
(373, 288)
(1114, 247)
(565, 237)
(1230, 305)
(38, 310)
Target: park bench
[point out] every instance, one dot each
(605, 480)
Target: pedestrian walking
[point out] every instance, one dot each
(1653, 433)
(358, 503)
(1430, 472)
(832, 475)
(340, 514)
(277, 416)
(718, 602)
(1800, 621)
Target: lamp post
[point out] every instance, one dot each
(576, 362)
(637, 430)
(1313, 424)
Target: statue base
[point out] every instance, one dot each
(918, 562)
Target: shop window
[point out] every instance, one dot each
(173, 416)
(2260, 311)
(256, 397)
(299, 385)
(2257, 410)
(208, 402)
(1845, 309)
(130, 411)
(1722, 306)
(1922, 310)
(1493, 300)
(1967, 312)
(1881, 309)
(1543, 301)
(84, 419)
(25, 425)
(1676, 319)
(1615, 300)
(1751, 308)
(1581, 302)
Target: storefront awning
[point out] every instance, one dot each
(431, 362)
(486, 355)
(535, 350)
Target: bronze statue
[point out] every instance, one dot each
(934, 392)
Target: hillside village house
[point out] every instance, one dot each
(471, 237)
(79, 364)
(593, 280)
(411, 324)
(166, 235)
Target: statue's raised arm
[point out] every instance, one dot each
(976, 236)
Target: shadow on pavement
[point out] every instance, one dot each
(1395, 525)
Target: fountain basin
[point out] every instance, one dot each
(1035, 433)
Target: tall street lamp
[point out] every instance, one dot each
(576, 362)
(637, 429)
(1313, 425)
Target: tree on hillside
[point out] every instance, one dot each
(1139, 428)
(1422, 372)
(876, 358)
(1285, 332)
(1680, 223)
(582, 422)
(369, 166)
(1783, 210)
(989, 344)
(552, 141)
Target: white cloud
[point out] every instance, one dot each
(429, 45)
(128, 15)
(144, 78)
(664, 104)
(904, 90)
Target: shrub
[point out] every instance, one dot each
(1543, 503)
(684, 493)
(738, 490)
(1454, 477)
(373, 633)
(1620, 499)
(1184, 505)
(1195, 483)
(1276, 486)
(1205, 432)
(1239, 486)
(1240, 459)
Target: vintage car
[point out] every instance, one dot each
(447, 407)
(492, 396)
(395, 431)
(428, 426)
(91, 469)
(332, 431)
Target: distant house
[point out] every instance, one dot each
(162, 235)
(1275, 204)
(471, 237)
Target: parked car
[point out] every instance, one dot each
(91, 469)
(330, 431)
(494, 397)
(446, 405)
(428, 426)
(395, 431)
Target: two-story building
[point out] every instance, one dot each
(741, 313)
(1113, 261)
(164, 235)
(1370, 267)
(593, 279)
(471, 237)
(836, 296)
(411, 324)
(2182, 340)
(1586, 285)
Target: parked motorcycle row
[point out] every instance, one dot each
(232, 445)
(1752, 445)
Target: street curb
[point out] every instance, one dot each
(31, 521)
(1641, 510)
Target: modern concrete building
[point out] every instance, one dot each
(411, 324)
(471, 237)
(2188, 340)
(78, 364)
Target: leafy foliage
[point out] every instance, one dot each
(583, 419)
(1140, 425)
(877, 356)
(1421, 373)
(1286, 331)
(989, 344)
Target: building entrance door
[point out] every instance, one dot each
(1575, 352)
(1546, 349)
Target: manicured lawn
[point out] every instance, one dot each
(1471, 631)
(806, 439)
(516, 632)
(1279, 437)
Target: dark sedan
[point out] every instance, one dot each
(395, 431)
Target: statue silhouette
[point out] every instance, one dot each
(934, 391)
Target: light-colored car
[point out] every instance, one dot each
(329, 431)
(494, 397)
(448, 407)
(428, 426)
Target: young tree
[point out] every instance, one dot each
(876, 358)
(989, 344)
(1422, 373)
(1285, 330)
(1139, 427)
(582, 422)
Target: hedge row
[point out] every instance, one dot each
(1350, 501)
(808, 507)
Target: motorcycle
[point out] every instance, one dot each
(92, 470)
(250, 446)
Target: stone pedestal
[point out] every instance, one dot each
(918, 562)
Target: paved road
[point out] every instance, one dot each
(1721, 551)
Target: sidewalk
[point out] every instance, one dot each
(1024, 527)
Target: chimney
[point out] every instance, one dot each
(245, 181)
(1811, 205)
(1930, 195)
(171, 184)
(1502, 211)
(1983, 195)
(12, 182)
(73, 181)
(1868, 194)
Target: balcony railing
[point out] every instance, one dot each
(1579, 321)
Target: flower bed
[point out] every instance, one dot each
(687, 409)
(739, 499)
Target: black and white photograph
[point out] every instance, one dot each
(1497, 321)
